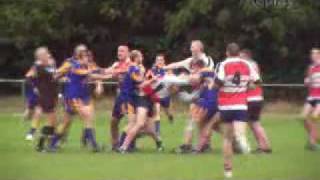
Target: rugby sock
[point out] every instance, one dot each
(46, 133)
(157, 127)
(90, 136)
(32, 131)
(122, 138)
(132, 145)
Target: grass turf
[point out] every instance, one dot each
(290, 161)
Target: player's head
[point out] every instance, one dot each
(79, 48)
(42, 55)
(196, 47)
(160, 60)
(197, 64)
(232, 50)
(123, 52)
(315, 55)
(246, 54)
(83, 57)
(136, 56)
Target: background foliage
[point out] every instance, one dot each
(280, 34)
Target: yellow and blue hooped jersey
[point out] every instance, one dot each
(76, 85)
(131, 79)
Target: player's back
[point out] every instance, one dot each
(236, 74)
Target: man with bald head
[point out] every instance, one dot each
(197, 53)
(118, 70)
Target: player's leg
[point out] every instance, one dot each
(188, 132)
(254, 111)
(141, 118)
(165, 104)
(61, 130)
(150, 130)
(86, 112)
(131, 113)
(205, 132)
(156, 118)
(48, 107)
(311, 126)
(240, 127)
(35, 122)
(227, 148)
(115, 121)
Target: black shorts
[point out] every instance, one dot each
(254, 110)
(313, 102)
(145, 102)
(48, 103)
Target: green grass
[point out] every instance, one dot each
(290, 161)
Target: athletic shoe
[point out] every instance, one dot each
(313, 147)
(160, 147)
(262, 151)
(171, 119)
(29, 137)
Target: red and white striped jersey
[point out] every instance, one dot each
(255, 94)
(235, 74)
(312, 81)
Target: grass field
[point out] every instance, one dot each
(19, 161)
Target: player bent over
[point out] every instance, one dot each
(255, 104)
(311, 110)
(205, 111)
(197, 51)
(43, 74)
(234, 75)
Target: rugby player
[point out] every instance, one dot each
(77, 95)
(311, 109)
(158, 71)
(234, 76)
(255, 104)
(205, 111)
(143, 104)
(118, 70)
(46, 86)
(197, 52)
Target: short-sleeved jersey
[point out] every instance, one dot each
(255, 94)
(207, 91)
(312, 81)
(235, 75)
(123, 67)
(44, 80)
(76, 85)
(132, 78)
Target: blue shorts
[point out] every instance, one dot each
(32, 102)
(165, 102)
(208, 105)
(122, 106)
(228, 116)
(71, 105)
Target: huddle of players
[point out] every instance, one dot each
(230, 94)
